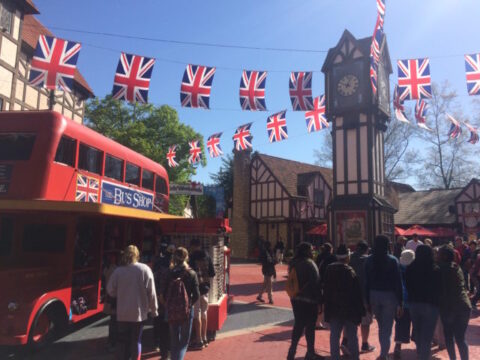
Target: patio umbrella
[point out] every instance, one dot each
(399, 231)
(444, 232)
(318, 230)
(419, 230)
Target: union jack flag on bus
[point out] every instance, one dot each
(171, 154)
(132, 79)
(414, 80)
(195, 152)
(196, 85)
(472, 68)
(421, 114)
(87, 189)
(455, 129)
(300, 87)
(399, 107)
(54, 63)
(473, 133)
(252, 90)
(316, 119)
(242, 138)
(277, 127)
(213, 145)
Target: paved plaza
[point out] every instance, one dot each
(252, 331)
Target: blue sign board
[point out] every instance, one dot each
(119, 195)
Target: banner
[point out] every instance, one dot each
(186, 189)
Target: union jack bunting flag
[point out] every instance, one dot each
(473, 133)
(472, 68)
(54, 63)
(399, 107)
(132, 79)
(373, 75)
(171, 154)
(195, 152)
(315, 118)
(87, 189)
(381, 7)
(377, 39)
(252, 90)
(213, 145)
(300, 87)
(455, 129)
(421, 114)
(242, 138)
(277, 127)
(414, 80)
(196, 85)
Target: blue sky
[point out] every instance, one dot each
(443, 30)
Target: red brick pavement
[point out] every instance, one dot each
(273, 342)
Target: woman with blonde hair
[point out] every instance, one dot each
(133, 287)
(181, 291)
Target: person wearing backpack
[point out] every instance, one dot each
(267, 259)
(133, 287)
(305, 295)
(201, 262)
(181, 291)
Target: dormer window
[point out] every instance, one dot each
(302, 190)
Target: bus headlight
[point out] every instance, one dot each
(12, 306)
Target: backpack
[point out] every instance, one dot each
(178, 302)
(291, 287)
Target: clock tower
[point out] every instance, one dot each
(359, 209)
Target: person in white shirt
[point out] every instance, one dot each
(413, 243)
(133, 286)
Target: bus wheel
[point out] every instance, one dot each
(47, 325)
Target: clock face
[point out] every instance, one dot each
(347, 85)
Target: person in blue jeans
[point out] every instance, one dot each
(180, 331)
(423, 283)
(384, 293)
(343, 303)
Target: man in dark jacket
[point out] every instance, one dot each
(357, 262)
(201, 262)
(267, 259)
(343, 303)
(305, 302)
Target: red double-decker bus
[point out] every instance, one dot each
(70, 201)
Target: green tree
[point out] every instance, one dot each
(149, 130)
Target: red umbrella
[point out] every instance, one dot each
(444, 232)
(419, 230)
(399, 231)
(318, 230)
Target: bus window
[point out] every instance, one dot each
(132, 174)
(113, 167)
(160, 185)
(147, 179)
(90, 159)
(6, 236)
(66, 151)
(44, 238)
(16, 146)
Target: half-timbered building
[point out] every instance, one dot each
(18, 39)
(467, 204)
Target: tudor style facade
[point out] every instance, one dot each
(18, 39)
(276, 199)
(468, 209)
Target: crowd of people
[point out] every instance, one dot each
(173, 294)
(418, 291)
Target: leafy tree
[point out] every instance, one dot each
(224, 178)
(446, 163)
(149, 130)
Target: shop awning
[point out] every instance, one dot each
(444, 232)
(318, 230)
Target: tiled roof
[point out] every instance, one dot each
(426, 207)
(287, 171)
(32, 28)
(30, 7)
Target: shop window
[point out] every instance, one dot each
(90, 159)
(132, 174)
(147, 179)
(160, 185)
(114, 167)
(16, 146)
(44, 238)
(6, 236)
(67, 147)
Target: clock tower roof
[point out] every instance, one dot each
(350, 48)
